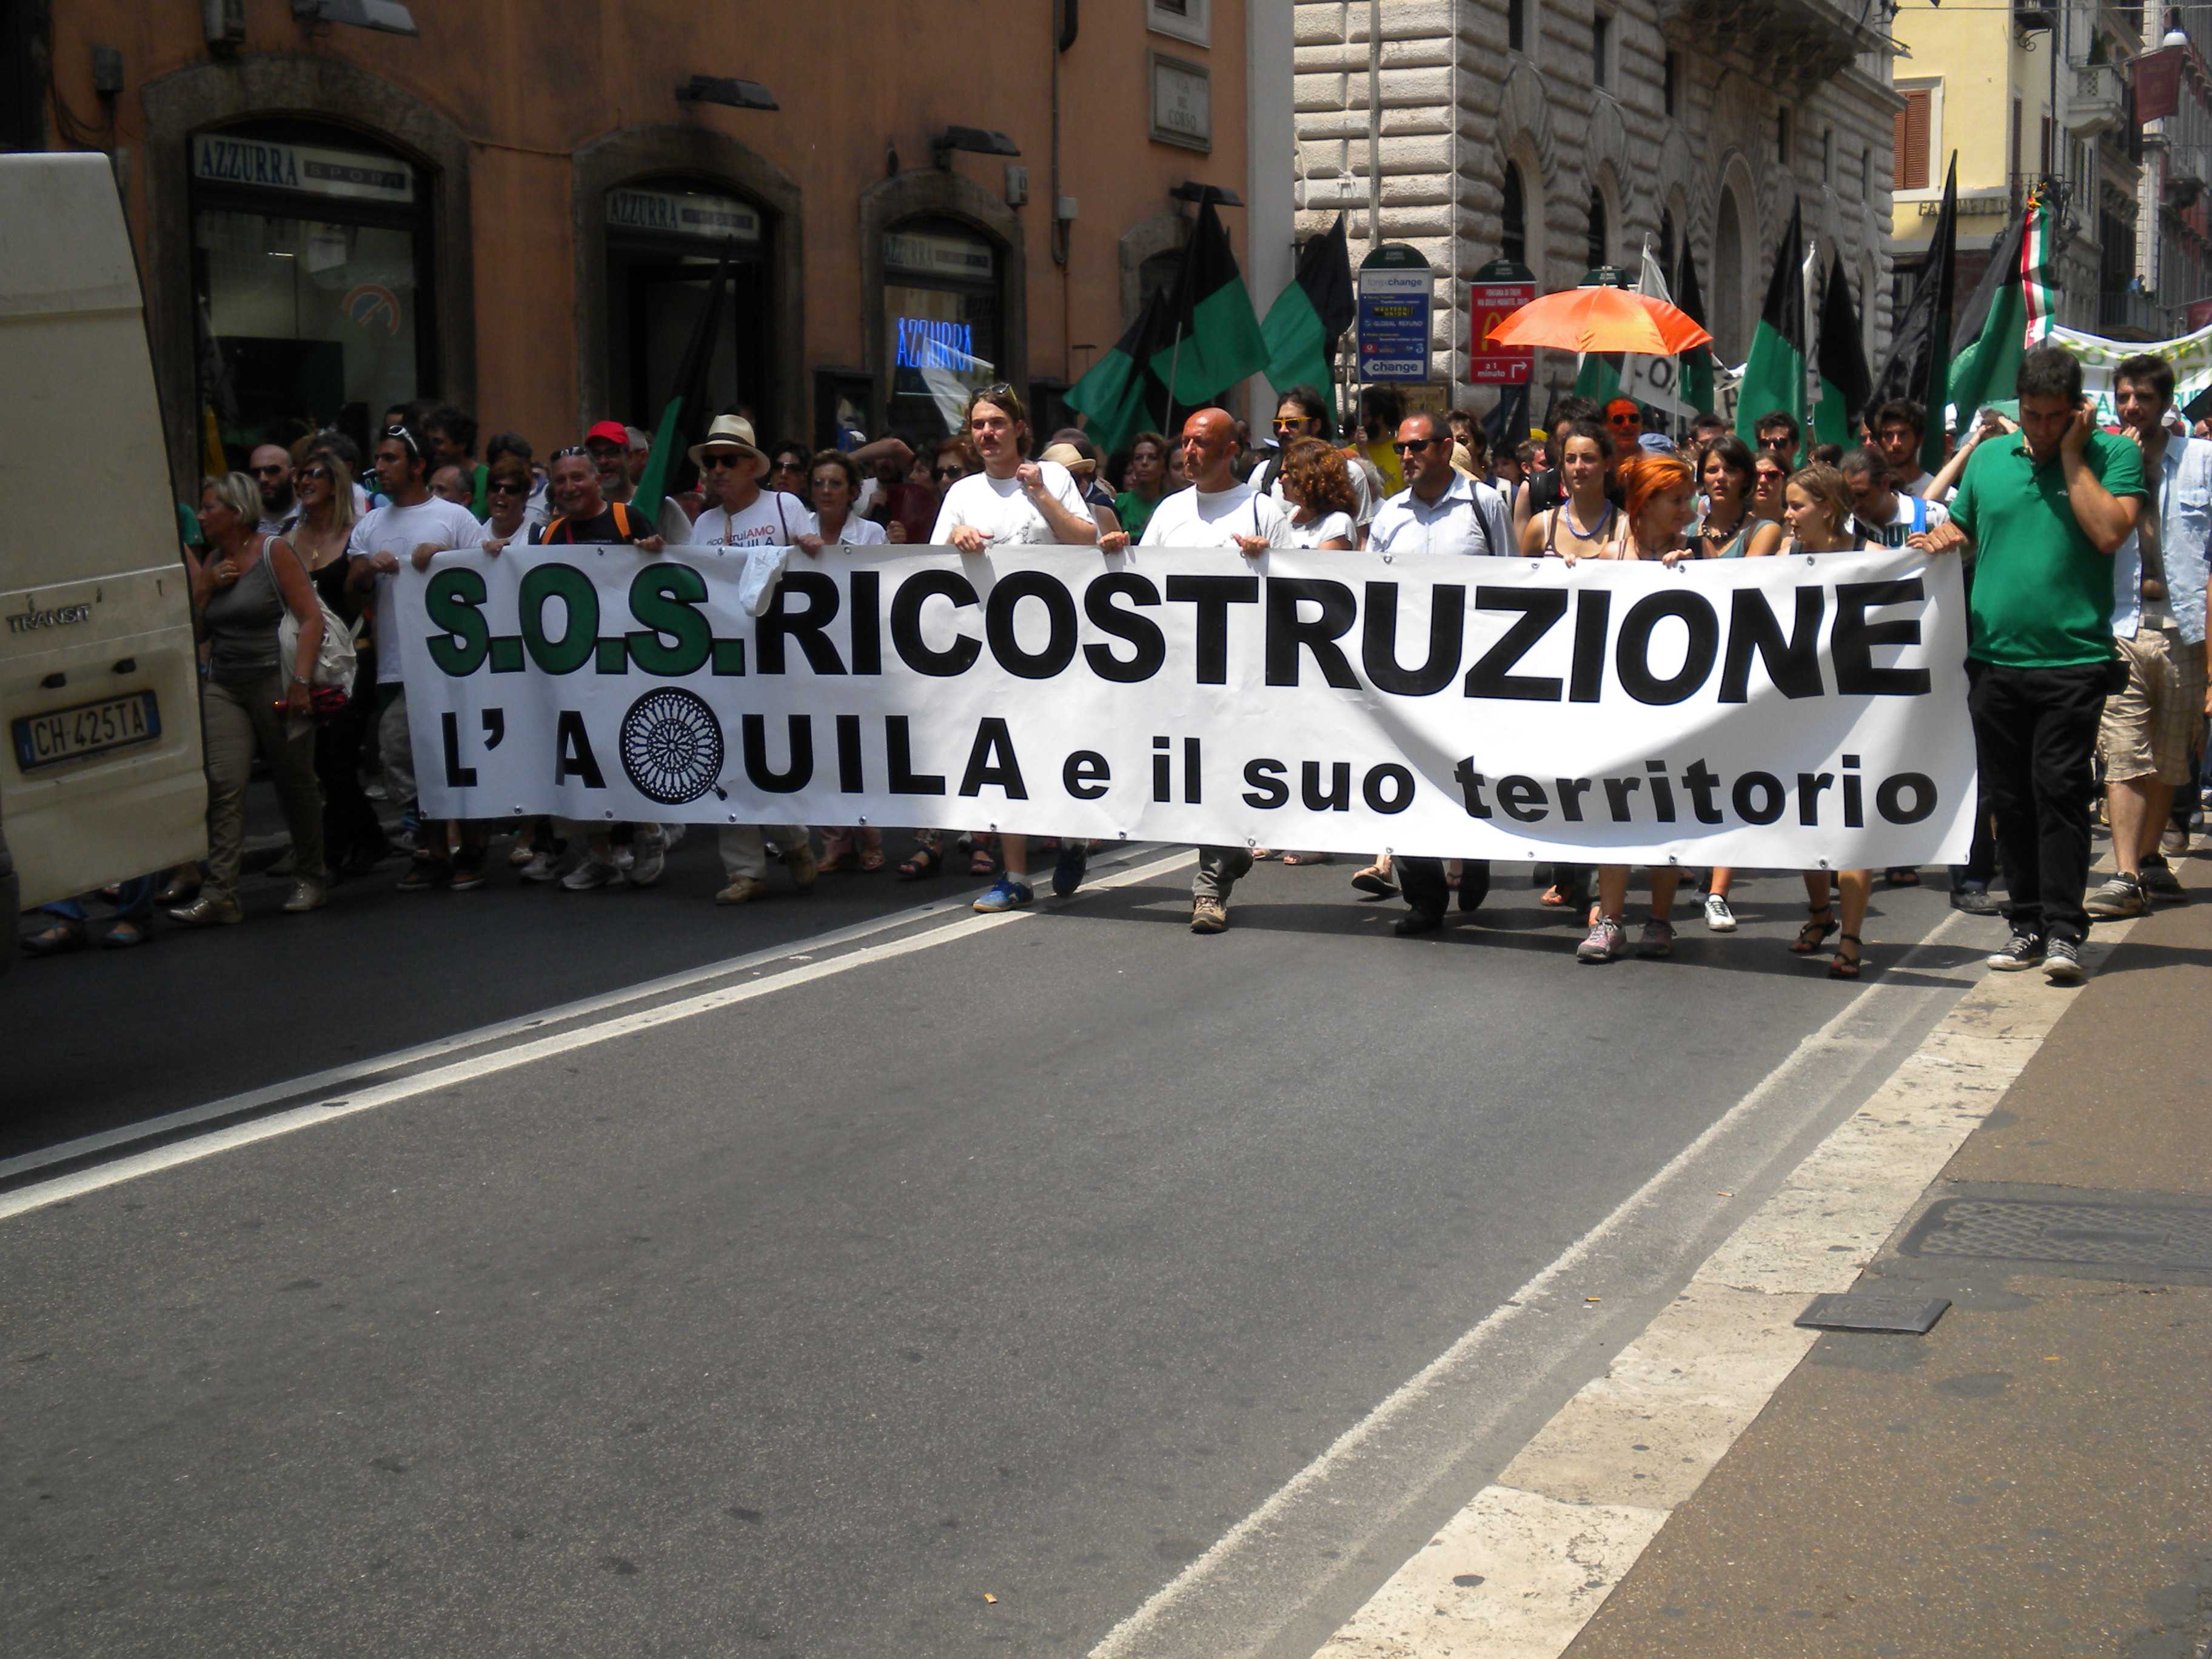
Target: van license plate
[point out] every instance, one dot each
(66, 733)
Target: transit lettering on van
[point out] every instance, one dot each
(23, 622)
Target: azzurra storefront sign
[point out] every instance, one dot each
(307, 169)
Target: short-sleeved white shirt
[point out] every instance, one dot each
(772, 519)
(1191, 518)
(1326, 527)
(1002, 510)
(861, 533)
(399, 531)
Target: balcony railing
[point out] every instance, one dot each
(1792, 41)
(2127, 315)
(2098, 99)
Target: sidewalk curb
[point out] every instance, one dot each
(1518, 1572)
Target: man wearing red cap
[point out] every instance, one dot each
(609, 444)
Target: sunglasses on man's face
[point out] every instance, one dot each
(717, 460)
(270, 471)
(1282, 425)
(1411, 445)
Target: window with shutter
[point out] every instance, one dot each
(1913, 139)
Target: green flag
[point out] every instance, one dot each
(1309, 317)
(1774, 376)
(1120, 397)
(1599, 377)
(1844, 381)
(1213, 338)
(1994, 326)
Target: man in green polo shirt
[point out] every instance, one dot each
(2047, 510)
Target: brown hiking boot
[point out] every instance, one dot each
(1208, 915)
(805, 868)
(743, 891)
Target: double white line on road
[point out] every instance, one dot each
(261, 1114)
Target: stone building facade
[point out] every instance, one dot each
(1564, 132)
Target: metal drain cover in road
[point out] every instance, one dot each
(2052, 1230)
(1861, 1310)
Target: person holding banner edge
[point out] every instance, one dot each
(1014, 500)
(2047, 511)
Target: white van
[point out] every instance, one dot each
(101, 776)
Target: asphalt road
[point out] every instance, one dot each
(1022, 1260)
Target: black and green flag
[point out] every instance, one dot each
(1309, 317)
(1993, 325)
(1121, 396)
(1214, 335)
(685, 416)
(1844, 381)
(1919, 365)
(1695, 384)
(1774, 375)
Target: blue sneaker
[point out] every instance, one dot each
(1007, 894)
(1075, 863)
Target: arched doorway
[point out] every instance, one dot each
(666, 236)
(945, 319)
(1728, 324)
(312, 280)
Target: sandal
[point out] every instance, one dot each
(57, 939)
(1309, 858)
(1261, 854)
(980, 863)
(844, 860)
(1902, 876)
(1814, 934)
(873, 859)
(123, 935)
(1846, 964)
(1375, 881)
(924, 861)
(1555, 898)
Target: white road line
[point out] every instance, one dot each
(1129, 1639)
(340, 1102)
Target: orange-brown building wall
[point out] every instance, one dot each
(528, 81)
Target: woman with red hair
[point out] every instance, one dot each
(1660, 499)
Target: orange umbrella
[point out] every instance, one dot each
(1603, 319)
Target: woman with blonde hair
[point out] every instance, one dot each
(353, 841)
(1817, 508)
(255, 703)
(1660, 499)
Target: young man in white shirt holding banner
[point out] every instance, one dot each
(1014, 501)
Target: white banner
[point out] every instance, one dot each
(1776, 712)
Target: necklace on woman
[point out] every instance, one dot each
(1594, 532)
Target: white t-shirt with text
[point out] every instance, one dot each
(772, 519)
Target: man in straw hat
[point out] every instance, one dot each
(743, 514)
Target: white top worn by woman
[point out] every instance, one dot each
(1329, 527)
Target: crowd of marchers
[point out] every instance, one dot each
(2085, 552)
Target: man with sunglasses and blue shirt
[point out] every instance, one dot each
(1440, 511)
